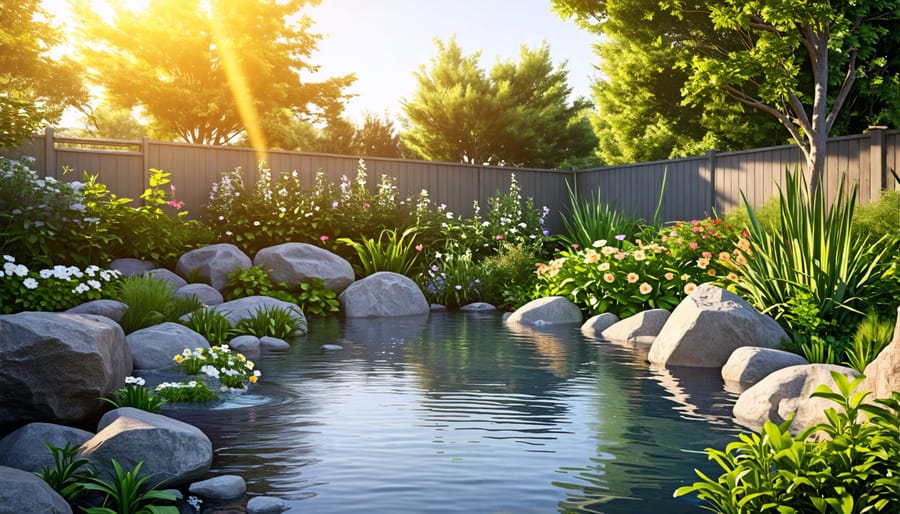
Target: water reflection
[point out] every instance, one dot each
(459, 413)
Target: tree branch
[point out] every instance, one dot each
(762, 106)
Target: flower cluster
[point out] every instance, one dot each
(135, 395)
(623, 280)
(232, 369)
(194, 391)
(706, 247)
(51, 289)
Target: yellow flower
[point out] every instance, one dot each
(249, 364)
(632, 277)
(689, 288)
(241, 357)
(639, 255)
(609, 278)
(604, 266)
(252, 379)
(645, 288)
(711, 272)
(179, 359)
(702, 262)
(685, 276)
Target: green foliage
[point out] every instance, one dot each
(253, 281)
(768, 215)
(53, 289)
(68, 473)
(232, 369)
(587, 220)
(194, 391)
(150, 301)
(392, 251)
(878, 218)
(855, 467)
(134, 394)
(211, 324)
(814, 253)
(315, 299)
(509, 277)
(452, 280)
(270, 40)
(872, 335)
(270, 321)
(278, 209)
(128, 493)
(518, 114)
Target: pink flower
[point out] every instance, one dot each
(696, 229)
(176, 205)
(693, 245)
(419, 247)
(499, 237)
(323, 238)
(366, 205)
(576, 246)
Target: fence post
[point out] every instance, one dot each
(711, 168)
(145, 164)
(878, 180)
(49, 153)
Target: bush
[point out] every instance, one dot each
(269, 321)
(232, 369)
(392, 251)
(51, 289)
(878, 218)
(855, 467)
(586, 221)
(151, 301)
(509, 277)
(135, 395)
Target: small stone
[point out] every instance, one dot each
(225, 487)
(477, 307)
(265, 505)
(332, 347)
(273, 343)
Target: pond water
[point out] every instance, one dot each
(459, 413)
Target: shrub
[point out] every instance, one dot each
(452, 280)
(51, 289)
(315, 299)
(150, 301)
(126, 493)
(269, 321)
(855, 467)
(392, 251)
(878, 218)
(68, 473)
(766, 214)
(872, 335)
(509, 277)
(586, 221)
(253, 281)
(232, 369)
(211, 324)
(194, 391)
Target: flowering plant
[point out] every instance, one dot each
(706, 247)
(51, 289)
(194, 391)
(134, 394)
(624, 281)
(232, 369)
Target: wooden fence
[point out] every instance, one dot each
(694, 187)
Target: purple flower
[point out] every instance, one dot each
(620, 237)
(546, 232)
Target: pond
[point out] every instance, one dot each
(459, 413)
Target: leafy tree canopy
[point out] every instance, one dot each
(35, 86)
(202, 69)
(517, 114)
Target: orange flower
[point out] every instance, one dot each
(725, 256)
(669, 275)
(603, 266)
(711, 272)
(645, 288)
(689, 288)
(632, 277)
(732, 276)
(702, 262)
(639, 255)
(609, 278)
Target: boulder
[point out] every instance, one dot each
(128, 266)
(883, 373)
(22, 492)
(212, 264)
(112, 309)
(265, 505)
(273, 343)
(25, 449)
(168, 276)
(247, 345)
(293, 263)
(383, 294)
(708, 325)
(247, 307)
(551, 310)
(207, 294)
(642, 328)
(595, 325)
(785, 392)
(224, 487)
(477, 307)
(173, 452)
(749, 364)
(155, 347)
(54, 367)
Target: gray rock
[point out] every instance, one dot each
(785, 392)
(173, 452)
(247, 344)
(642, 328)
(54, 367)
(293, 263)
(750, 364)
(551, 310)
(246, 307)
(155, 347)
(438, 307)
(273, 343)
(265, 505)
(22, 492)
(595, 325)
(477, 307)
(128, 266)
(332, 347)
(112, 309)
(883, 373)
(225, 487)
(708, 326)
(383, 294)
(505, 316)
(207, 294)
(168, 276)
(212, 264)
(25, 449)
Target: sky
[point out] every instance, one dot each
(385, 41)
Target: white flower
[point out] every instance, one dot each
(20, 270)
(135, 380)
(438, 255)
(77, 207)
(81, 288)
(9, 258)
(45, 273)
(93, 283)
(30, 283)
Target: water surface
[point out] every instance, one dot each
(458, 413)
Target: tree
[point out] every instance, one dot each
(517, 115)
(834, 41)
(35, 86)
(378, 138)
(209, 71)
(108, 122)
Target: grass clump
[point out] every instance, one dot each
(151, 301)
